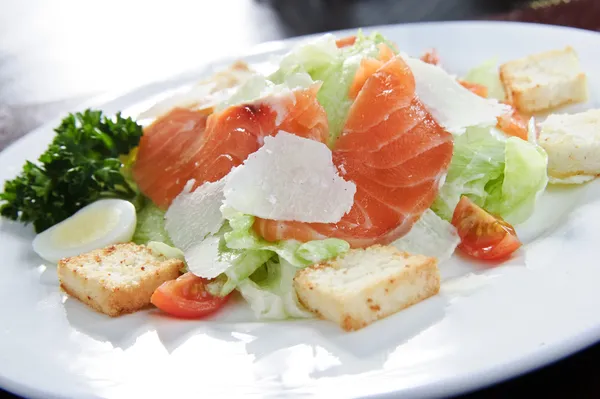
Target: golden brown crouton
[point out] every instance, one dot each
(365, 285)
(117, 279)
(544, 81)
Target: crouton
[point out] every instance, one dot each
(117, 279)
(365, 285)
(544, 81)
(573, 145)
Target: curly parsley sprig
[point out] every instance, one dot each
(82, 164)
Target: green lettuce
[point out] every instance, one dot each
(525, 178)
(270, 292)
(487, 75)
(261, 270)
(151, 225)
(237, 264)
(150, 231)
(504, 175)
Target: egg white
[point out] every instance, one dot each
(97, 225)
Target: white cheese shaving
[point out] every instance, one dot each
(203, 259)
(430, 236)
(193, 215)
(454, 107)
(290, 178)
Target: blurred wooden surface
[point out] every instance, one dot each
(55, 54)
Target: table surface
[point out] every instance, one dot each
(57, 54)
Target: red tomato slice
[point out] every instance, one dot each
(482, 235)
(186, 297)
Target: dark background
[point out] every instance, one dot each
(55, 55)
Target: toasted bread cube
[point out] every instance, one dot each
(365, 285)
(544, 81)
(573, 145)
(117, 279)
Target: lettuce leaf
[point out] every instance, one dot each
(525, 178)
(151, 225)
(487, 74)
(150, 231)
(504, 175)
(270, 292)
(253, 265)
(478, 159)
(239, 251)
(233, 265)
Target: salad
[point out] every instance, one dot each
(250, 178)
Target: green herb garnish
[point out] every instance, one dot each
(83, 164)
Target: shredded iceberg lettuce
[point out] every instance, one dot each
(151, 225)
(502, 175)
(270, 292)
(251, 265)
(487, 74)
(150, 231)
(525, 178)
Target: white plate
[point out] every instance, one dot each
(486, 325)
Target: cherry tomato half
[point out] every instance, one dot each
(483, 236)
(186, 297)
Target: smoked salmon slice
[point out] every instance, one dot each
(368, 66)
(186, 144)
(394, 152)
(163, 161)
